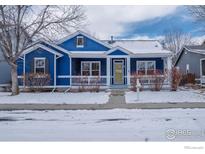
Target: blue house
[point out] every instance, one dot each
(81, 57)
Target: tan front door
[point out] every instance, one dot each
(118, 72)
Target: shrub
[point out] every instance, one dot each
(93, 85)
(157, 79)
(188, 79)
(176, 78)
(35, 81)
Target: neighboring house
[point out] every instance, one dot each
(113, 62)
(191, 59)
(5, 73)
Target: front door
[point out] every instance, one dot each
(118, 72)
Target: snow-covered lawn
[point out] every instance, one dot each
(55, 98)
(103, 125)
(165, 97)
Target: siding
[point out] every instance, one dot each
(89, 45)
(5, 71)
(193, 59)
(118, 52)
(40, 53)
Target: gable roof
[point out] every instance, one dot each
(198, 49)
(140, 46)
(118, 48)
(36, 46)
(84, 34)
(53, 45)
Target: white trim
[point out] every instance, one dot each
(90, 67)
(145, 61)
(63, 76)
(83, 40)
(123, 74)
(24, 68)
(84, 34)
(119, 48)
(70, 70)
(40, 58)
(150, 55)
(128, 71)
(201, 75)
(108, 70)
(31, 49)
(55, 70)
(118, 56)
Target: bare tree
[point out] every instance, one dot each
(20, 24)
(175, 39)
(198, 12)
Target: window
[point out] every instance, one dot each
(80, 42)
(146, 67)
(203, 67)
(90, 68)
(39, 65)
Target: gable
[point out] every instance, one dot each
(117, 52)
(89, 44)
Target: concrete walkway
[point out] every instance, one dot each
(117, 97)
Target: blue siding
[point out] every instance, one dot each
(40, 53)
(62, 67)
(159, 63)
(89, 45)
(19, 66)
(118, 52)
(76, 65)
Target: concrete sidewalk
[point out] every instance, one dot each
(99, 106)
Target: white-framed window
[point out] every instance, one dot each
(80, 42)
(39, 65)
(90, 68)
(146, 67)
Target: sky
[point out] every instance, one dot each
(140, 22)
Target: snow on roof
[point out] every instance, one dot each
(140, 46)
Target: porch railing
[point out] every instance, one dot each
(149, 79)
(88, 80)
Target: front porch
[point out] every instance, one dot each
(113, 71)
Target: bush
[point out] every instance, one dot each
(35, 81)
(93, 85)
(188, 79)
(176, 78)
(157, 79)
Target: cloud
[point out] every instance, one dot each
(104, 21)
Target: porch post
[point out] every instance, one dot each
(70, 71)
(128, 71)
(55, 71)
(108, 71)
(24, 70)
(169, 68)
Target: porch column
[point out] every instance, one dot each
(55, 71)
(169, 68)
(108, 71)
(128, 71)
(70, 71)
